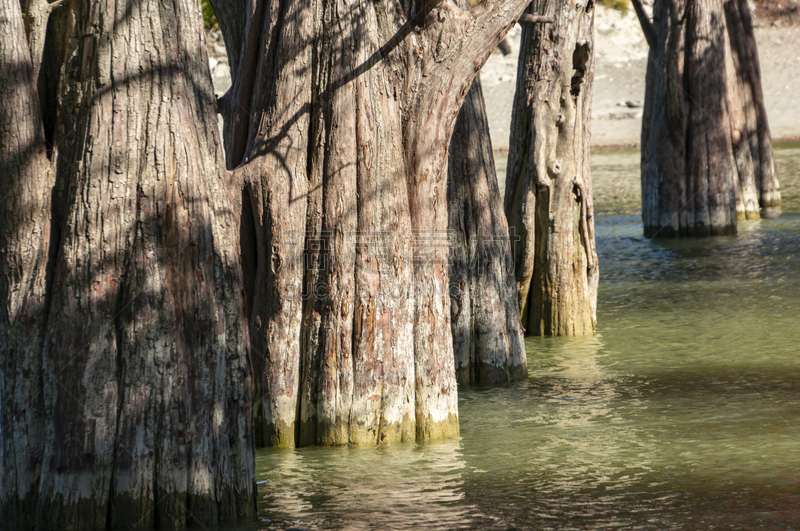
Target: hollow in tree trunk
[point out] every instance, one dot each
(548, 197)
(707, 156)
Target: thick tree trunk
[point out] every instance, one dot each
(488, 341)
(548, 197)
(145, 372)
(706, 150)
(339, 126)
(139, 349)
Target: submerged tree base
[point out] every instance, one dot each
(707, 159)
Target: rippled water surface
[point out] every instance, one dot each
(682, 412)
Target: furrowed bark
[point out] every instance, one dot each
(744, 73)
(37, 14)
(145, 372)
(340, 178)
(276, 157)
(663, 153)
(548, 187)
(330, 153)
(24, 246)
(706, 160)
(440, 82)
(488, 339)
(383, 349)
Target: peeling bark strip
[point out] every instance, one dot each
(347, 127)
(706, 151)
(549, 187)
(141, 354)
(488, 340)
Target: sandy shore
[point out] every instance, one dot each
(620, 66)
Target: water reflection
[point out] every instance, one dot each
(405, 486)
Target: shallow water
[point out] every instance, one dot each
(682, 412)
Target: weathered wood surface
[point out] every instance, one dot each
(706, 151)
(25, 182)
(548, 197)
(138, 304)
(488, 340)
(145, 376)
(347, 121)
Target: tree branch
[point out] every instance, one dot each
(649, 30)
(527, 18)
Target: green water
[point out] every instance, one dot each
(681, 413)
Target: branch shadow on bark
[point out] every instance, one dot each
(283, 117)
(141, 354)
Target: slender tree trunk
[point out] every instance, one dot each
(549, 187)
(145, 376)
(25, 182)
(488, 341)
(706, 150)
(750, 132)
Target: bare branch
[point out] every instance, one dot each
(649, 30)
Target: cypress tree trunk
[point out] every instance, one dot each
(145, 376)
(339, 130)
(548, 197)
(25, 181)
(338, 126)
(751, 137)
(706, 150)
(488, 341)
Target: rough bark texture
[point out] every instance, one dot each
(750, 133)
(548, 197)
(488, 340)
(25, 181)
(324, 253)
(338, 123)
(706, 151)
(145, 375)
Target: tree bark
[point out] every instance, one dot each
(488, 340)
(145, 374)
(548, 197)
(753, 139)
(706, 151)
(339, 126)
(147, 324)
(25, 183)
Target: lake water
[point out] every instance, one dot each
(682, 412)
